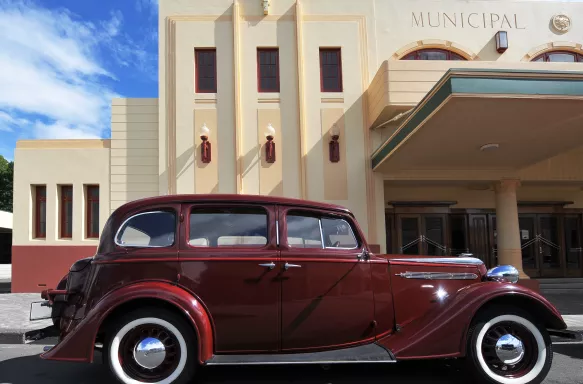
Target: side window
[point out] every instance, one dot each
(228, 227)
(338, 234)
(148, 229)
(305, 231)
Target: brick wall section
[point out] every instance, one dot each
(134, 150)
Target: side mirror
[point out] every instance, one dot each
(363, 256)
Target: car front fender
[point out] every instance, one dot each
(442, 331)
(78, 344)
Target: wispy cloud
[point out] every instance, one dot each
(148, 6)
(52, 72)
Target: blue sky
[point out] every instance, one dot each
(61, 62)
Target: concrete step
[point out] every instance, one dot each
(566, 280)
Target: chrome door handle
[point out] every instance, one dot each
(268, 265)
(288, 266)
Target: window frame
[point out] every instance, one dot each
(197, 88)
(322, 215)
(269, 224)
(277, 74)
(149, 212)
(340, 88)
(37, 220)
(545, 56)
(448, 53)
(62, 213)
(88, 213)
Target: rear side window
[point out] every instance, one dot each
(307, 231)
(228, 227)
(148, 229)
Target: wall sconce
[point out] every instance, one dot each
(270, 145)
(501, 41)
(265, 4)
(205, 147)
(334, 145)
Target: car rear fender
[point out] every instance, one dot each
(78, 344)
(442, 331)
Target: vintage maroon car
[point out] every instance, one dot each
(183, 281)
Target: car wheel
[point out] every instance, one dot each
(151, 345)
(507, 346)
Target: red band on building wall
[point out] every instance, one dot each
(37, 267)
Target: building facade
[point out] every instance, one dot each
(447, 127)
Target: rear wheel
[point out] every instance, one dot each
(151, 345)
(507, 346)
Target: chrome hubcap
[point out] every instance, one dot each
(509, 349)
(150, 353)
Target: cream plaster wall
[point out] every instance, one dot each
(53, 163)
(134, 150)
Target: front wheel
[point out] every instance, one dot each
(151, 345)
(507, 346)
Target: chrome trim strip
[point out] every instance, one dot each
(443, 260)
(437, 276)
(277, 232)
(308, 362)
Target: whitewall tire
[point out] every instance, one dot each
(506, 346)
(151, 345)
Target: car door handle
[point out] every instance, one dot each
(288, 266)
(268, 265)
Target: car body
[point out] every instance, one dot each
(184, 280)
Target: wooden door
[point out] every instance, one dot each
(479, 239)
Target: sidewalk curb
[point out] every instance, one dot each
(12, 336)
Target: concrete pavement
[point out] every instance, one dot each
(20, 364)
(14, 317)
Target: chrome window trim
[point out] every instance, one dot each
(277, 232)
(122, 226)
(437, 275)
(443, 260)
(321, 233)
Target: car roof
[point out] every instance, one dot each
(226, 198)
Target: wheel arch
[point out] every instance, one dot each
(78, 345)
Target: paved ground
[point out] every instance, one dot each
(14, 317)
(21, 365)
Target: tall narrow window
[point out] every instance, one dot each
(268, 69)
(40, 193)
(92, 210)
(205, 61)
(330, 70)
(66, 211)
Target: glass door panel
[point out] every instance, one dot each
(528, 243)
(434, 232)
(409, 235)
(573, 246)
(549, 242)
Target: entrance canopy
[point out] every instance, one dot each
(482, 119)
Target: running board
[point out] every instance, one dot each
(370, 353)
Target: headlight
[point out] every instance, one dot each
(503, 273)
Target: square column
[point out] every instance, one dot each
(508, 229)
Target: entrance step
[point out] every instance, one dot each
(370, 353)
(560, 286)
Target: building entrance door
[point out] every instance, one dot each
(573, 246)
(422, 234)
(540, 238)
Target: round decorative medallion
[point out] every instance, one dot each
(561, 22)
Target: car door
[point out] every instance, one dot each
(327, 294)
(229, 259)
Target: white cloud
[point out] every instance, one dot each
(147, 5)
(51, 70)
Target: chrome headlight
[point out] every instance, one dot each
(503, 273)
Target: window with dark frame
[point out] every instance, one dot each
(92, 210)
(268, 69)
(330, 70)
(433, 54)
(560, 56)
(205, 61)
(66, 215)
(40, 194)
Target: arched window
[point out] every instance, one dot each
(560, 57)
(432, 54)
